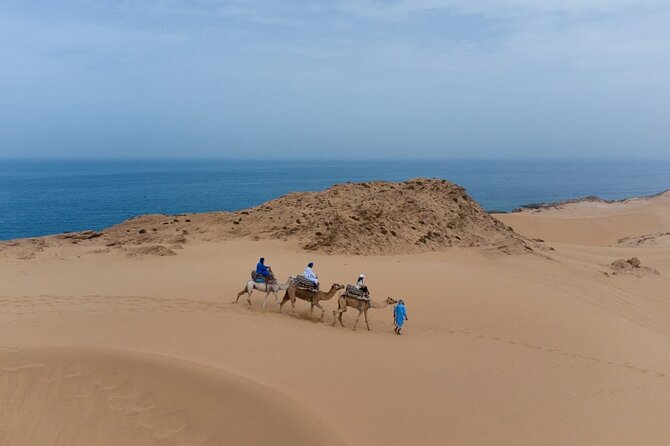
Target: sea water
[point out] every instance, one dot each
(46, 197)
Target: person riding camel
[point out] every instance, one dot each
(309, 274)
(264, 271)
(361, 285)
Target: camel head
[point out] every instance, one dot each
(391, 301)
(337, 286)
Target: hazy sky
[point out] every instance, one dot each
(286, 78)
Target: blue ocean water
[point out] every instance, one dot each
(46, 197)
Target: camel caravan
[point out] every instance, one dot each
(306, 287)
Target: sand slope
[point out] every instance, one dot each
(594, 222)
(85, 396)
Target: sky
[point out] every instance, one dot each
(335, 79)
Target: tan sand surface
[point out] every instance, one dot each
(547, 348)
(594, 223)
(92, 396)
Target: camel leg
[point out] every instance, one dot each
(284, 300)
(249, 299)
(366, 319)
(357, 318)
(240, 294)
(337, 314)
(321, 308)
(265, 300)
(250, 289)
(295, 313)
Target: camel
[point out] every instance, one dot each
(313, 297)
(361, 305)
(264, 288)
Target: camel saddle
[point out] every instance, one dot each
(305, 284)
(356, 293)
(258, 278)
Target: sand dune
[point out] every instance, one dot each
(594, 222)
(499, 349)
(85, 396)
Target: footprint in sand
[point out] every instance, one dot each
(175, 420)
(107, 380)
(123, 390)
(120, 397)
(146, 401)
(78, 388)
(163, 442)
(149, 418)
(72, 371)
(185, 436)
(13, 367)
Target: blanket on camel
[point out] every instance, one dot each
(305, 284)
(356, 293)
(261, 279)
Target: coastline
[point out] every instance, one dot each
(100, 194)
(530, 207)
(367, 218)
(588, 199)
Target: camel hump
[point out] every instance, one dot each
(356, 293)
(259, 278)
(305, 284)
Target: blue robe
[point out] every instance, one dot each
(399, 314)
(262, 270)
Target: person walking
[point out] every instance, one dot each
(399, 316)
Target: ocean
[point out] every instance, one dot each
(47, 197)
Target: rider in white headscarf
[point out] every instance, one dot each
(309, 274)
(361, 285)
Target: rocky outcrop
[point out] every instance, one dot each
(631, 266)
(353, 218)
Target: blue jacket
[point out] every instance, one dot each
(262, 269)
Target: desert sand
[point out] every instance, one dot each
(129, 338)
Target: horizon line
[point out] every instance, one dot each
(337, 159)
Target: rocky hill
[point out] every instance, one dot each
(355, 218)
